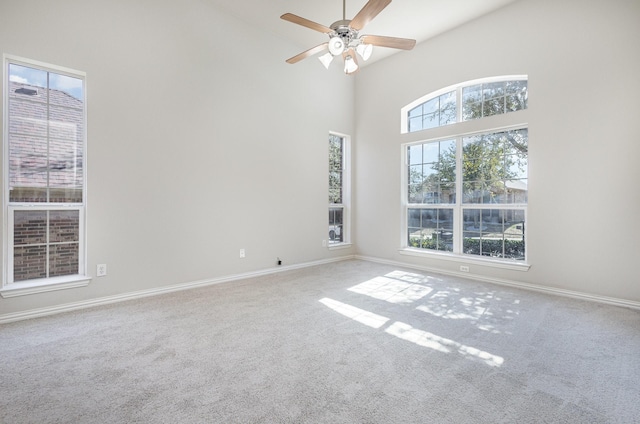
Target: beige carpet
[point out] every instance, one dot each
(350, 342)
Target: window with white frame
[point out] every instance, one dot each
(339, 187)
(44, 174)
(466, 193)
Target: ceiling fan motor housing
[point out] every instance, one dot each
(345, 33)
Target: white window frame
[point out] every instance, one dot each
(404, 112)
(346, 193)
(457, 130)
(10, 288)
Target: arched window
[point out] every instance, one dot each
(462, 102)
(466, 193)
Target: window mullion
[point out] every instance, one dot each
(457, 210)
(48, 126)
(48, 243)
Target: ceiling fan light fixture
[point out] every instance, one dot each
(350, 65)
(344, 38)
(336, 45)
(364, 50)
(326, 59)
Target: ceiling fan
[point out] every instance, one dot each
(345, 39)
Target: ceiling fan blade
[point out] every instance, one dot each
(393, 42)
(305, 23)
(307, 53)
(367, 13)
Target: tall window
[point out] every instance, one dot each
(44, 199)
(339, 180)
(467, 194)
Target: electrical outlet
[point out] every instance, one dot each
(101, 270)
(324, 243)
(464, 268)
(242, 253)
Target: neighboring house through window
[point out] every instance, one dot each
(44, 174)
(466, 192)
(339, 189)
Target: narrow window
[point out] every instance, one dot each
(338, 189)
(45, 169)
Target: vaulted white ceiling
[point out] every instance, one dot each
(417, 19)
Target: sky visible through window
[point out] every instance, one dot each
(37, 77)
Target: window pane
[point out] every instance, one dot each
(471, 111)
(65, 123)
(495, 167)
(415, 193)
(448, 193)
(516, 95)
(63, 259)
(27, 117)
(65, 90)
(430, 229)
(493, 90)
(430, 120)
(29, 262)
(64, 226)
(435, 112)
(493, 107)
(46, 136)
(335, 168)
(415, 124)
(494, 232)
(415, 174)
(472, 93)
(431, 152)
(23, 74)
(431, 106)
(335, 225)
(416, 111)
(29, 227)
(426, 179)
(493, 98)
(415, 154)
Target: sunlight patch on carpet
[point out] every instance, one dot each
(360, 315)
(391, 290)
(432, 341)
(408, 333)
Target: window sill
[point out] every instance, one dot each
(466, 259)
(338, 246)
(44, 285)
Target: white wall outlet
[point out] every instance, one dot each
(324, 243)
(101, 270)
(464, 268)
(242, 253)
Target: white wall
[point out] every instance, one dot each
(583, 63)
(201, 140)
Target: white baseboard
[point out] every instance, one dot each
(41, 312)
(526, 286)
(51, 310)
